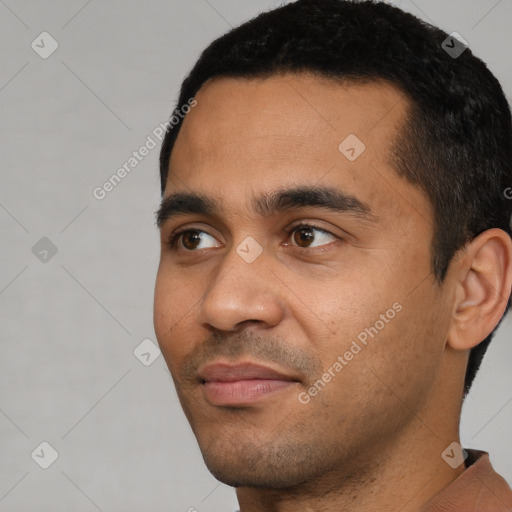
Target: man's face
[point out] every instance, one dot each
(296, 352)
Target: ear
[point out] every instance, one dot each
(483, 276)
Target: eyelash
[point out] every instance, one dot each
(175, 236)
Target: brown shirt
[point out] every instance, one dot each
(478, 489)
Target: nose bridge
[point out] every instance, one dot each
(243, 289)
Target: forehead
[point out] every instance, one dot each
(285, 112)
(252, 135)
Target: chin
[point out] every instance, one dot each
(269, 466)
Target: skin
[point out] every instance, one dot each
(372, 438)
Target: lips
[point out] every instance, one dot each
(242, 384)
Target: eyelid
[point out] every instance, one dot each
(174, 237)
(310, 224)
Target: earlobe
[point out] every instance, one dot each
(483, 286)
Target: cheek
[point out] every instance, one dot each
(407, 353)
(349, 305)
(174, 309)
(163, 310)
(382, 320)
(385, 372)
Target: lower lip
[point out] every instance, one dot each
(242, 392)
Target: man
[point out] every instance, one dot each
(336, 254)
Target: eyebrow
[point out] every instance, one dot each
(268, 204)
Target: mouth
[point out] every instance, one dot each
(242, 384)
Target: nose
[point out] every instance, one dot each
(240, 293)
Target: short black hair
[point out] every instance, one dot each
(456, 143)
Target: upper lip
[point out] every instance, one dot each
(223, 372)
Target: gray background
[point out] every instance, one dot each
(70, 323)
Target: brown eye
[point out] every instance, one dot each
(188, 240)
(305, 234)
(191, 239)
